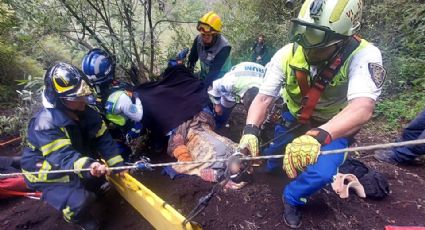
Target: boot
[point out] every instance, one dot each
(292, 216)
(386, 156)
(89, 224)
(86, 223)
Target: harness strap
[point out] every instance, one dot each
(321, 80)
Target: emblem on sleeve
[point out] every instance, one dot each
(377, 72)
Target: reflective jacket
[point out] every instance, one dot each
(332, 100)
(55, 141)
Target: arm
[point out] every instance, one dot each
(193, 56)
(130, 110)
(216, 65)
(181, 152)
(269, 89)
(363, 91)
(351, 118)
(257, 110)
(54, 144)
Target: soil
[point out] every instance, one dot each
(257, 206)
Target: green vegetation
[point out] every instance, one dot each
(144, 34)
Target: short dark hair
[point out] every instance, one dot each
(249, 96)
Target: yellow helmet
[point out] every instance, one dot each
(210, 23)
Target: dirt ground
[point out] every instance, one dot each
(257, 206)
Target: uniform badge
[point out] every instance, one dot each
(377, 72)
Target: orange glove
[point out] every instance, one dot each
(182, 153)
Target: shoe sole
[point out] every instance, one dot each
(292, 226)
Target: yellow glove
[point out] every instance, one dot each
(250, 142)
(300, 153)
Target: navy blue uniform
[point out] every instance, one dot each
(55, 141)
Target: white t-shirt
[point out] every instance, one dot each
(360, 82)
(233, 85)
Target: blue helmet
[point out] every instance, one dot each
(98, 65)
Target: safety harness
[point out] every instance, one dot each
(311, 94)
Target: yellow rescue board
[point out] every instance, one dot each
(155, 210)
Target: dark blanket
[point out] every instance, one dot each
(174, 99)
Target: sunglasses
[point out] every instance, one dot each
(310, 36)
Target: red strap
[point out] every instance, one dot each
(302, 82)
(309, 103)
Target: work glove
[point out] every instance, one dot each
(182, 54)
(134, 132)
(304, 151)
(249, 139)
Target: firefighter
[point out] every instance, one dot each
(68, 134)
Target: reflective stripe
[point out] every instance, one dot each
(54, 145)
(304, 8)
(45, 167)
(79, 164)
(114, 160)
(116, 119)
(102, 129)
(64, 131)
(338, 10)
(67, 213)
(32, 147)
(33, 179)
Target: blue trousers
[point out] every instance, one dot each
(72, 199)
(283, 135)
(413, 131)
(315, 176)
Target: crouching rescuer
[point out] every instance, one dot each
(330, 80)
(68, 134)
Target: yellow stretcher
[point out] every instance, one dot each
(159, 213)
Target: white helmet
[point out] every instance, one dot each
(321, 23)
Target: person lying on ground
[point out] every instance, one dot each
(195, 140)
(68, 134)
(229, 90)
(121, 108)
(331, 80)
(411, 154)
(13, 186)
(211, 48)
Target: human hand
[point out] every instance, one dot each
(249, 142)
(218, 109)
(300, 153)
(97, 169)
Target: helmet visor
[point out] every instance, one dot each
(310, 36)
(80, 94)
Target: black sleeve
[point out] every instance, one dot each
(193, 56)
(216, 65)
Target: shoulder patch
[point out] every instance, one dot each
(378, 73)
(133, 109)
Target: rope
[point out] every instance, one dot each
(149, 165)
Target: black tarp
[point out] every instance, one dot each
(174, 99)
